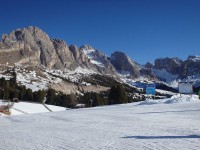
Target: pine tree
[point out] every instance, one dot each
(71, 100)
(39, 95)
(2, 82)
(51, 96)
(64, 101)
(112, 94)
(85, 99)
(97, 100)
(13, 81)
(117, 95)
(13, 94)
(122, 95)
(6, 90)
(22, 91)
(28, 96)
(59, 101)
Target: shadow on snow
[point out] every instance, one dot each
(162, 137)
(167, 112)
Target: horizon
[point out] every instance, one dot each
(144, 30)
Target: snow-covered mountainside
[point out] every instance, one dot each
(99, 60)
(174, 70)
(91, 53)
(130, 126)
(55, 64)
(68, 81)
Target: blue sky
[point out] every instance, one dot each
(143, 29)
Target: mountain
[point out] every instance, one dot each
(173, 70)
(99, 60)
(191, 66)
(33, 46)
(125, 65)
(53, 58)
(172, 65)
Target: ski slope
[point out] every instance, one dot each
(30, 108)
(135, 126)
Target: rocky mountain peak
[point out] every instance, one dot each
(86, 47)
(118, 54)
(24, 33)
(191, 66)
(32, 45)
(194, 58)
(172, 65)
(98, 60)
(75, 51)
(123, 63)
(149, 65)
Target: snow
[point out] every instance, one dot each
(124, 74)
(183, 99)
(29, 80)
(194, 58)
(7, 77)
(85, 83)
(139, 83)
(72, 75)
(98, 63)
(31, 108)
(133, 63)
(83, 71)
(35, 82)
(168, 77)
(128, 126)
(174, 99)
(90, 53)
(165, 92)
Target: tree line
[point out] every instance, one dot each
(9, 89)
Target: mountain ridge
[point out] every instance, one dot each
(34, 47)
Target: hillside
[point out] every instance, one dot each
(33, 47)
(41, 63)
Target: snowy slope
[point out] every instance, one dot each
(30, 80)
(130, 126)
(40, 78)
(174, 99)
(91, 54)
(31, 108)
(169, 78)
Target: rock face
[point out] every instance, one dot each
(98, 60)
(176, 66)
(79, 56)
(149, 65)
(64, 55)
(124, 64)
(191, 66)
(172, 65)
(148, 73)
(33, 46)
